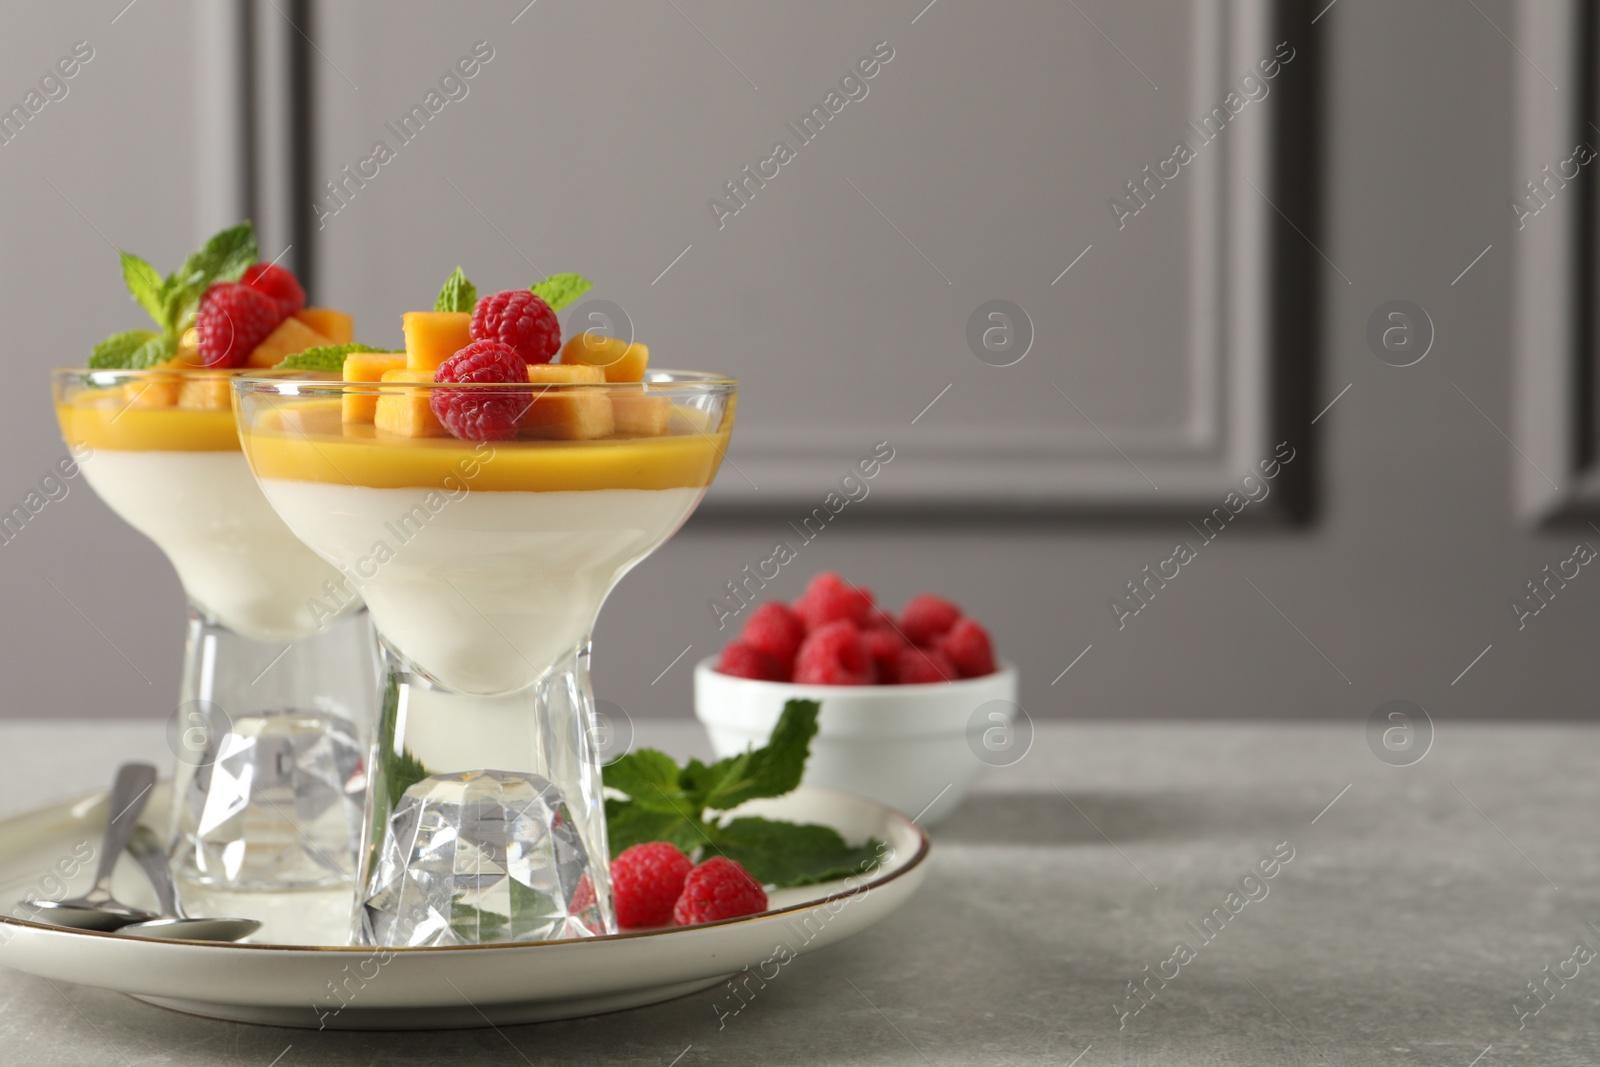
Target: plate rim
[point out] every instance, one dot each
(918, 857)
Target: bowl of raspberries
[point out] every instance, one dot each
(907, 699)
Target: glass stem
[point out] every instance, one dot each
(433, 743)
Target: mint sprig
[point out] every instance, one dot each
(457, 294)
(669, 803)
(171, 302)
(560, 290)
(328, 358)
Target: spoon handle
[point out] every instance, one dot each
(149, 854)
(129, 792)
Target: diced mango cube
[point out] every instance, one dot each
(568, 416)
(564, 374)
(640, 415)
(367, 367)
(151, 392)
(334, 325)
(621, 361)
(290, 337)
(406, 412)
(434, 336)
(204, 392)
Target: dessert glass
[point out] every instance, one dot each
(279, 685)
(484, 565)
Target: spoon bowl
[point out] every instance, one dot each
(173, 923)
(192, 929)
(98, 909)
(82, 915)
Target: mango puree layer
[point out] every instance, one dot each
(309, 445)
(103, 419)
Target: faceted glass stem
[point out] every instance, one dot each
(485, 817)
(272, 741)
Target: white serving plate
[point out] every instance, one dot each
(339, 987)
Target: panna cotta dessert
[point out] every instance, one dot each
(485, 489)
(177, 476)
(279, 688)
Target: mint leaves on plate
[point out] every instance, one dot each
(171, 302)
(669, 803)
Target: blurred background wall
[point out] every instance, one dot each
(979, 162)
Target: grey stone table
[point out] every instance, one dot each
(1407, 911)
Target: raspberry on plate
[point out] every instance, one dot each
(231, 321)
(927, 617)
(743, 660)
(775, 630)
(830, 598)
(521, 319)
(275, 282)
(481, 414)
(968, 647)
(884, 647)
(923, 666)
(834, 654)
(718, 889)
(646, 881)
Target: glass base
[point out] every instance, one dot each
(272, 744)
(485, 816)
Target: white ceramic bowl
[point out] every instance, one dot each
(915, 748)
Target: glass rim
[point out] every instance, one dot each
(257, 382)
(146, 372)
(267, 376)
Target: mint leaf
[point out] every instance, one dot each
(669, 804)
(458, 294)
(224, 258)
(132, 350)
(329, 358)
(629, 824)
(158, 349)
(770, 771)
(790, 854)
(144, 283)
(116, 352)
(651, 779)
(559, 290)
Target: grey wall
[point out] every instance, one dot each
(992, 140)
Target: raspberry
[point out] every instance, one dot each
(926, 617)
(878, 619)
(277, 283)
(718, 889)
(884, 647)
(646, 881)
(968, 647)
(922, 666)
(775, 630)
(744, 660)
(519, 318)
(834, 654)
(830, 598)
(233, 318)
(481, 414)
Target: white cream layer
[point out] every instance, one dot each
(483, 591)
(237, 560)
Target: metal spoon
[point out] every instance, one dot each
(98, 909)
(153, 858)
